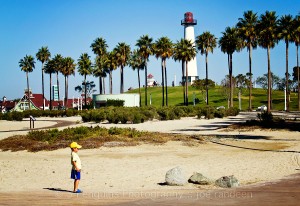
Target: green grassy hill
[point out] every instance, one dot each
(217, 97)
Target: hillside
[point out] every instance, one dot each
(216, 97)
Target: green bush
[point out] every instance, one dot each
(207, 111)
(265, 117)
(232, 111)
(220, 113)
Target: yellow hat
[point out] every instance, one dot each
(75, 145)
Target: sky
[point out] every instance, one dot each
(69, 27)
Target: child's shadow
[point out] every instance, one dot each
(58, 190)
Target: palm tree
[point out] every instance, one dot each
(67, 69)
(247, 31)
(229, 43)
(185, 51)
(296, 39)
(27, 65)
(99, 47)
(163, 48)
(122, 58)
(110, 64)
(177, 56)
(206, 43)
(84, 68)
(49, 69)
(267, 38)
(144, 43)
(57, 61)
(43, 55)
(285, 32)
(137, 63)
(99, 71)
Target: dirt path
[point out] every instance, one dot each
(282, 192)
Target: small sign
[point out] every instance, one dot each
(55, 92)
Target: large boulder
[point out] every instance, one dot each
(227, 182)
(198, 178)
(175, 176)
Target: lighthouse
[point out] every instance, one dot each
(188, 22)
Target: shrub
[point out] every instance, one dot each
(219, 113)
(265, 117)
(232, 111)
(17, 116)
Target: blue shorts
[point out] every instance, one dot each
(75, 175)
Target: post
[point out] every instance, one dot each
(78, 104)
(150, 99)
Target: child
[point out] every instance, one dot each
(76, 166)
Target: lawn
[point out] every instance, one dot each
(217, 97)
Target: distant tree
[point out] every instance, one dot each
(122, 58)
(43, 55)
(267, 27)
(110, 64)
(185, 51)
(144, 44)
(99, 47)
(68, 69)
(229, 43)
(263, 81)
(206, 43)
(247, 31)
(163, 48)
(296, 39)
(87, 86)
(137, 63)
(84, 69)
(285, 32)
(27, 65)
(203, 85)
(49, 69)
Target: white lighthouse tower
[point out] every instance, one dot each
(188, 22)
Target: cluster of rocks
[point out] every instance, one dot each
(176, 177)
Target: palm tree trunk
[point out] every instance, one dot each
(103, 85)
(85, 91)
(146, 85)
(57, 86)
(182, 78)
(162, 82)
(139, 80)
(28, 92)
(166, 85)
(269, 81)
(66, 92)
(206, 80)
(122, 80)
(43, 85)
(186, 84)
(50, 91)
(100, 84)
(110, 81)
(250, 78)
(287, 75)
(230, 81)
(298, 78)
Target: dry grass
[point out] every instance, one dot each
(88, 137)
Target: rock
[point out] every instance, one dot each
(227, 182)
(198, 178)
(175, 176)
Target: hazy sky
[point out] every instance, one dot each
(68, 27)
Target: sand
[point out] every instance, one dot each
(137, 170)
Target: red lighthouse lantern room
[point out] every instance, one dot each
(188, 19)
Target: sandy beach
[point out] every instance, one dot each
(117, 174)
